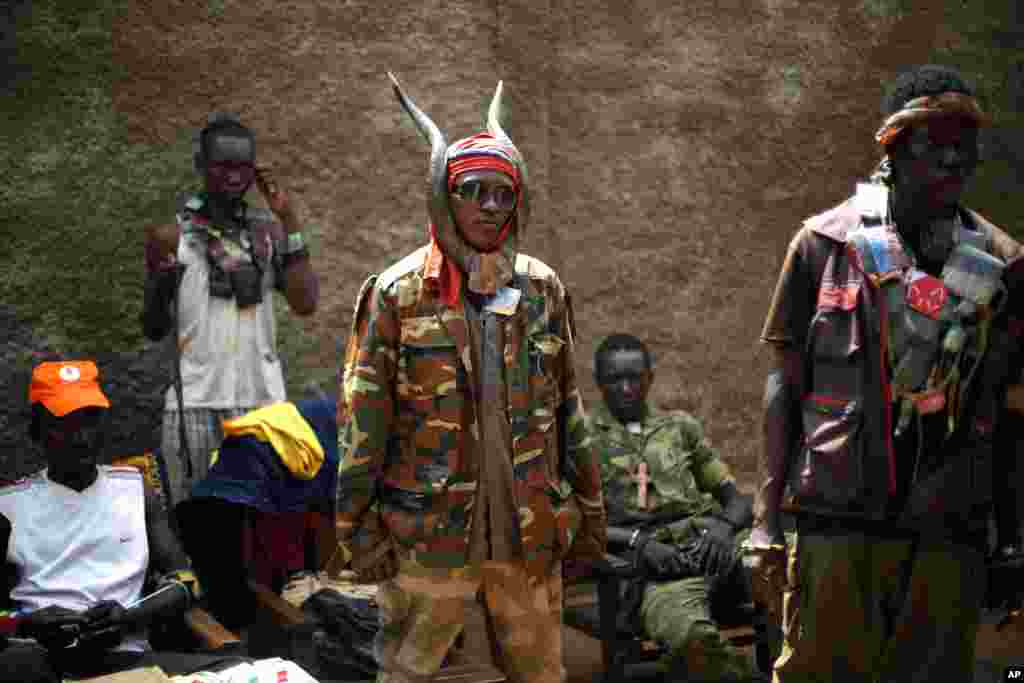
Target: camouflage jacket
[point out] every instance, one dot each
(682, 468)
(410, 465)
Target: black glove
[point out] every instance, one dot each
(53, 627)
(663, 561)
(1003, 588)
(714, 551)
(105, 625)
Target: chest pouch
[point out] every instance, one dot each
(894, 293)
(234, 269)
(920, 349)
(882, 258)
(975, 276)
(247, 284)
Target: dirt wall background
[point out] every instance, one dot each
(673, 149)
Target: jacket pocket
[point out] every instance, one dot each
(545, 355)
(410, 516)
(428, 360)
(830, 470)
(836, 347)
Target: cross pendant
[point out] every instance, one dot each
(642, 479)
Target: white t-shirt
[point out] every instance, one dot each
(228, 354)
(75, 549)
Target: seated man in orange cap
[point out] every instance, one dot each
(79, 540)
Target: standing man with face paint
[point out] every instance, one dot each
(466, 465)
(210, 277)
(892, 335)
(672, 501)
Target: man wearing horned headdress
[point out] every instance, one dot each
(466, 465)
(894, 327)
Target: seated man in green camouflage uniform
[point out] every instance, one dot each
(672, 502)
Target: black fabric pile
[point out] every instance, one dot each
(344, 641)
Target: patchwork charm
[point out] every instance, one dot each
(926, 294)
(838, 296)
(880, 250)
(931, 401)
(504, 302)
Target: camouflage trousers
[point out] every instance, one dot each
(677, 613)
(422, 613)
(851, 613)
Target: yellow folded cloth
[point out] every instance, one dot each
(283, 427)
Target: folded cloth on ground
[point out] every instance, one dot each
(346, 584)
(345, 645)
(302, 585)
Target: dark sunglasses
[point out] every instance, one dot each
(504, 197)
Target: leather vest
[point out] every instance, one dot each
(887, 344)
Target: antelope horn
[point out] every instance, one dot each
(437, 191)
(429, 130)
(494, 117)
(495, 129)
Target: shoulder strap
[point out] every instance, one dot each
(359, 320)
(406, 265)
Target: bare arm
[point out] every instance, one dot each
(781, 429)
(162, 276)
(301, 284)
(171, 595)
(10, 573)
(165, 551)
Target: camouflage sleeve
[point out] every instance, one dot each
(581, 462)
(367, 412)
(709, 470)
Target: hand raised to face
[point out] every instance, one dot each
(276, 197)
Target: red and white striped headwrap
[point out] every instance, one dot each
(481, 152)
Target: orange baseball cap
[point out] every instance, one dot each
(66, 386)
